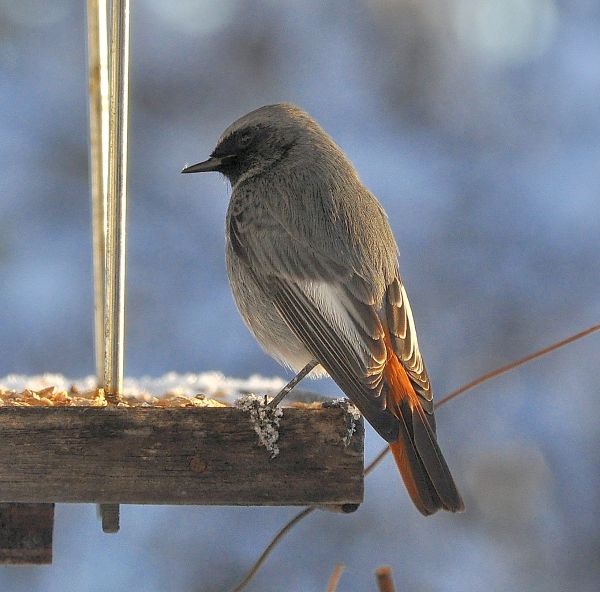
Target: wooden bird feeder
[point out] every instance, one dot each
(115, 455)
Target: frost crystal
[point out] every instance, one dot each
(351, 415)
(265, 421)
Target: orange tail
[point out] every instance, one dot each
(417, 454)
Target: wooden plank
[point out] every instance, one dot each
(150, 455)
(26, 533)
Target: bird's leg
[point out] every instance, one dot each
(291, 384)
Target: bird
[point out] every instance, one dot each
(313, 268)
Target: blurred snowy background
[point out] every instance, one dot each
(476, 123)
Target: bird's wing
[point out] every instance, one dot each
(325, 303)
(403, 337)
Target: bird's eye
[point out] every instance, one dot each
(245, 139)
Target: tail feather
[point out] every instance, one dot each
(417, 454)
(434, 463)
(413, 474)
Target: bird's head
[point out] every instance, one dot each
(257, 141)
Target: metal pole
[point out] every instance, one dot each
(98, 114)
(97, 14)
(114, 297)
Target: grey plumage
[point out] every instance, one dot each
(313, 264)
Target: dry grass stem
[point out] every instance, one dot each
(385, 581)
(338, 570)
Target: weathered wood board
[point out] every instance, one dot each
(26, 533)
(147, 455)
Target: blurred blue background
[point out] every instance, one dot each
(476, 123)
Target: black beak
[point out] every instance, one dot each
(214, 163)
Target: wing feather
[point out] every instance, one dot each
(337, 353)
(333, 309)
(405, 343)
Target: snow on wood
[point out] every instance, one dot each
(213, 385)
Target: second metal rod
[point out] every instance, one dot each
(98, 114)
(114, 297)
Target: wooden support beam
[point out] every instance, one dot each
(26, 533)
(146, 455)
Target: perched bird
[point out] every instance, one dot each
(313, 268)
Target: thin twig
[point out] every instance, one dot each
(513, 365)
(385, 580)
(272, 545)
(455, 393)
(369, 468)
(338, 570)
